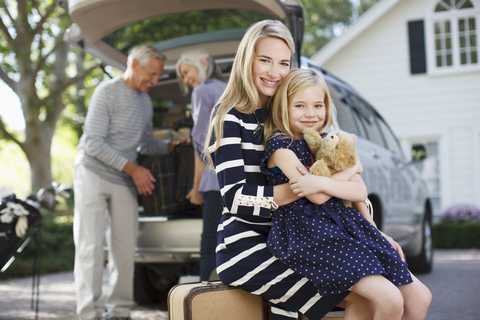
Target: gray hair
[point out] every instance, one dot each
(143, 53)
(195, 58)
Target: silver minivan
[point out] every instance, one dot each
(168, 246)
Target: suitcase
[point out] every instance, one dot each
(174, 179)
(215, 301)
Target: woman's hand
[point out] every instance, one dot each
(195, 197)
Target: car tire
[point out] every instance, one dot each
(424, 261)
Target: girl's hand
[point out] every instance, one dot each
(305, 185)
(359, 167)
(395, 245)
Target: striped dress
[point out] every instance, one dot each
(243, 259)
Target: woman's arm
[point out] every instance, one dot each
(237, 165)
(194, 196)
(353, 190)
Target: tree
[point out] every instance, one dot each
(34, 64)
(326, 19)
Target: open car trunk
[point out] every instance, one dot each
(94, 20)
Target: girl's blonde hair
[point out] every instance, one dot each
(241, 92)
(197, 58)
(299, 79)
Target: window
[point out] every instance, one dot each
(368, 119)
(345, 116)
(390, 139)
(454, 34)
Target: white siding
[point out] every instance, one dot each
(418, 107)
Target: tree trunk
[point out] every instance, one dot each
(37, 148)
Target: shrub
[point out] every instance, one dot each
(458, 235)
(459, 228)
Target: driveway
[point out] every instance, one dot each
(57, 299)
(454, 282)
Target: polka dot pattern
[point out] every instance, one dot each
(307, 239)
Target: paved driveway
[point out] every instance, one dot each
(454, 282)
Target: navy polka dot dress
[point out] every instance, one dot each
(332, 245)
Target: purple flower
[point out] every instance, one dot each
(461, 212)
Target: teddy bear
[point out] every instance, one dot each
(333, 152)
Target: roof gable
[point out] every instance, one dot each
(362, 24)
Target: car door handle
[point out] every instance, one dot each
(374, 154)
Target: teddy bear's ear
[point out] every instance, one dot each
(330, 141)
(312, 137)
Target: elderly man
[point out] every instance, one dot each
(106, 181)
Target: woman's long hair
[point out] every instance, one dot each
(241, 92)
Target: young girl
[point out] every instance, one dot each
(304, 235)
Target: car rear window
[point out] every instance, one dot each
(180, 25)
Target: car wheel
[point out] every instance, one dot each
(423, 262)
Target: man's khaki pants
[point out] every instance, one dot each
(103, 211)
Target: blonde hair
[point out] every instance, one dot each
(277, 117)
(196, 58)
(241, 92)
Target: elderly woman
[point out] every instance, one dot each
(197, 70)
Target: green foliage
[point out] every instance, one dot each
(14, 168)
(456, 235)
(167, 27)
(57, 250)
(326, 19)
(64, 152)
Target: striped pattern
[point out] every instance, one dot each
(243, 259)
(118, 124)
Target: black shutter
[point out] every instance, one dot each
(416, 40)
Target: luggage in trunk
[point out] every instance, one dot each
(174, 179)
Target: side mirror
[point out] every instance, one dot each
(419, 152)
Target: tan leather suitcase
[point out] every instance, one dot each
(217, 301)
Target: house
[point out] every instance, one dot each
(417, 62)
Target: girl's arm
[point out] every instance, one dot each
(306, 184)
(353, 190)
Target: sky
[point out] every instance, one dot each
(10, 108)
